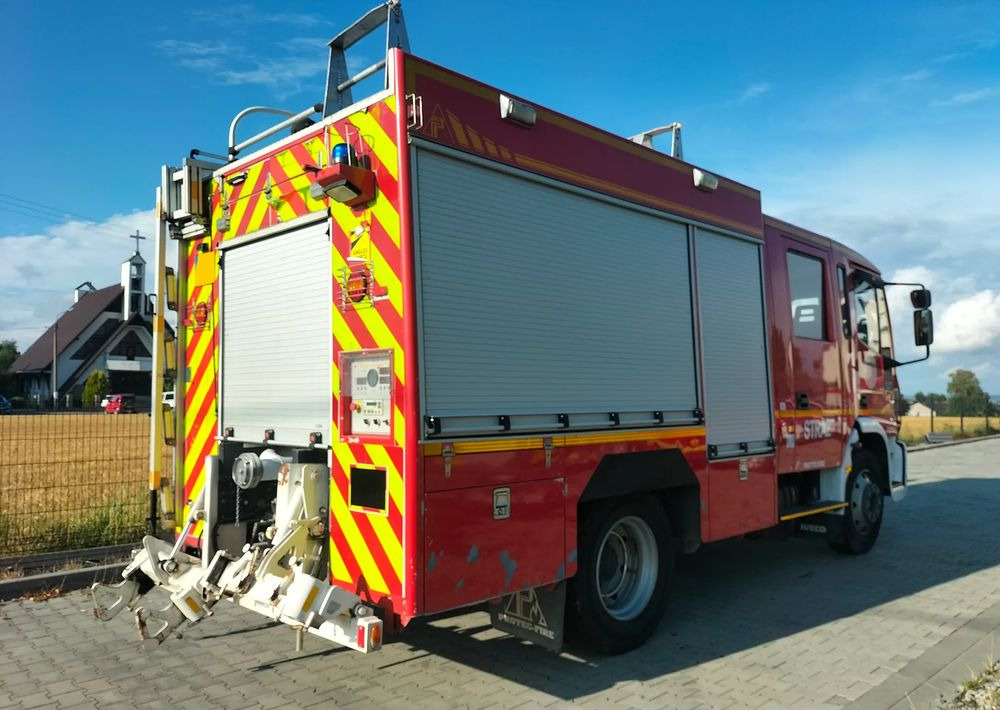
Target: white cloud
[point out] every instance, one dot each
(283, 72)
(39, 271)
(918, 75)
(755, 90)
(967, 97)
(969, 324)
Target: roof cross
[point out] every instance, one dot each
(136, 237)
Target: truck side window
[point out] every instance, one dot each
(845, 307)
(867, 312)
(805, 279)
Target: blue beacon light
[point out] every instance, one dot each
(341, 154)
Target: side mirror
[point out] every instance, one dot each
(923, 325)
(920, 298)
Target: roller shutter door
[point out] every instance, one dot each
(275, 333)
(538, 301)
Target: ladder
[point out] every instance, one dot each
(338, 81)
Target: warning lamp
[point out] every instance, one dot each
(341, 154)
(352, 185)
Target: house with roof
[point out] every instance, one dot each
(106, 329)
(918, 409)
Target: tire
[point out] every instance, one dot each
(626, 564)
(863, 514)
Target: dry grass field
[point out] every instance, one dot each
(913, 428)
(72, 480)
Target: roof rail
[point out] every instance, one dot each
(338, 81)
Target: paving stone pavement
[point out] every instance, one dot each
(762, 624)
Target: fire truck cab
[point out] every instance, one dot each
(441, 346)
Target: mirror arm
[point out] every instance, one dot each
(889, 363)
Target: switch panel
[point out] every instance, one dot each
(369, 387)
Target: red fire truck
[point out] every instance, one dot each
(442, 346)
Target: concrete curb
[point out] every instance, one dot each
(65, 580)
(936, 674)
(957, 442)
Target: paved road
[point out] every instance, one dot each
(753, 624)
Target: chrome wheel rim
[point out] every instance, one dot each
(866, 503)
(627, 568)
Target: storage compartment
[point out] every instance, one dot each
(543, 308)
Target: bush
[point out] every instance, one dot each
(18, 402)
(95, 389)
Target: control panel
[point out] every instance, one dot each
(368, 385)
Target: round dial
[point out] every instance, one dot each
(372, 377)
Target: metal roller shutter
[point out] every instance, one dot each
(537, 301)
(276, 345)
(734, 354)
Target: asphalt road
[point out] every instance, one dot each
(752, 624)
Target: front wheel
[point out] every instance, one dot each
(863, 514)
(626, 560)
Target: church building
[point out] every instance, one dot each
(106, 329)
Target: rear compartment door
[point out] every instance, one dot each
(275, 344)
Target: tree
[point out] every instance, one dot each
(965, 396)
(95, 388)
(8, 354)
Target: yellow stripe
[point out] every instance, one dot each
(808, 413)
(349, 529)
(824, 509)
(310, 597)
(377, 140)
(492, 445)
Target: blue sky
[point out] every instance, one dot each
(878, 127)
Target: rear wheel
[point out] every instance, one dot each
(626, 560)
(863, 515)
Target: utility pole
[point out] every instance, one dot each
(55, 364)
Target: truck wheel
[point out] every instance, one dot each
(626, 561)
(863, 514)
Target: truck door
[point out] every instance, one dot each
(817, 398)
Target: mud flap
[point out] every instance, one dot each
(535, 615)
(828, 526)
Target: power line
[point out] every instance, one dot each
(26, 211)
(51, 208)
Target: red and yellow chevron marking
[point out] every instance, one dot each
(201, 317)
(366, 548)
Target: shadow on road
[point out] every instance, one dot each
(738, 594)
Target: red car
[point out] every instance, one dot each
(121, 404)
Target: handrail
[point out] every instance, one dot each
(292, 118)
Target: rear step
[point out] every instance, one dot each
(814, 508)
